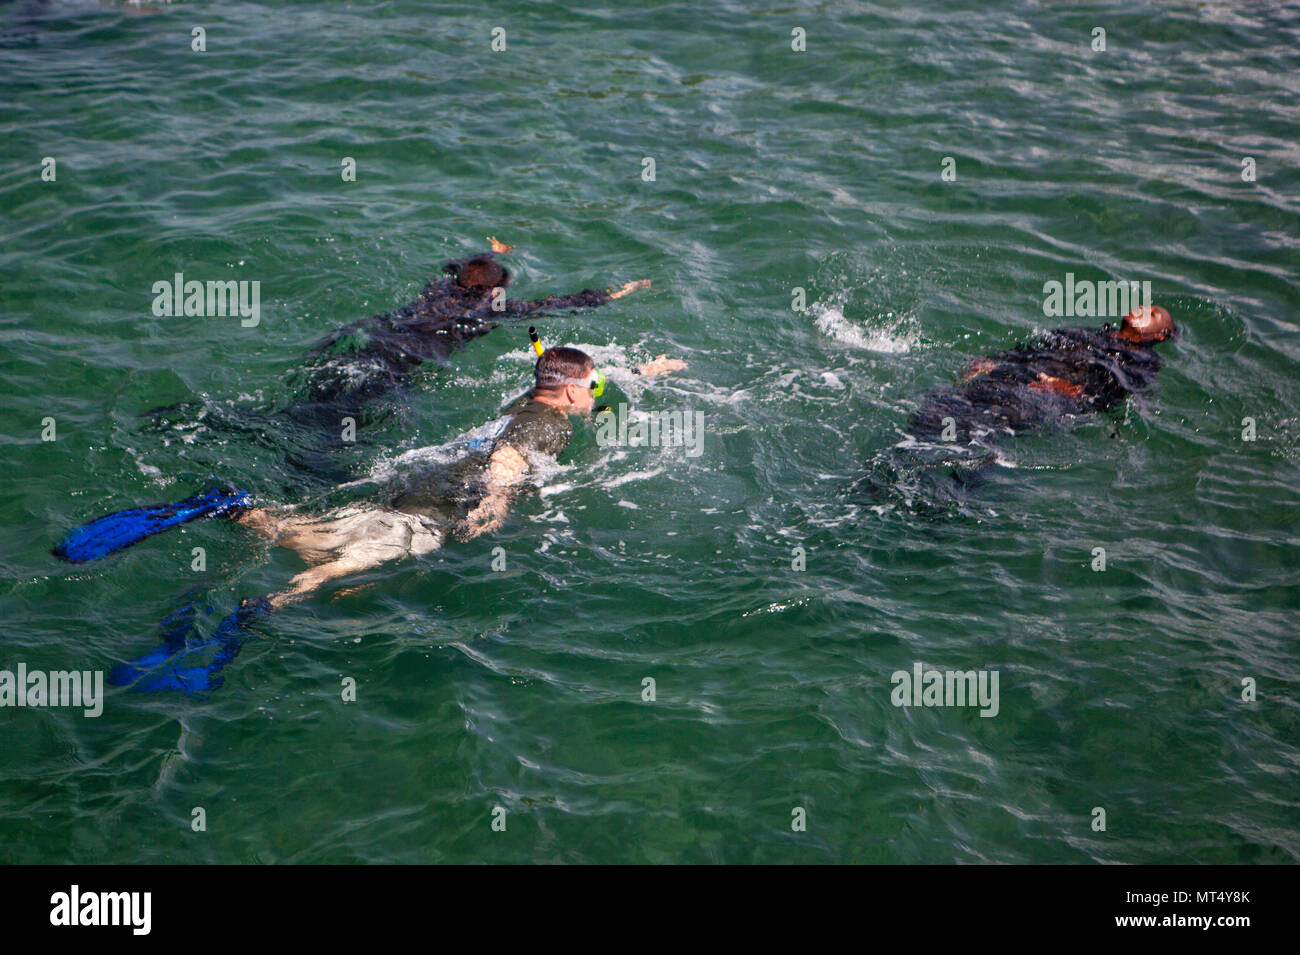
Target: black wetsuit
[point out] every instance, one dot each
(367, 359)
(1105, 368)
(348, 373)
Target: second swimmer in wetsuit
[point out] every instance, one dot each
(1069, 371)
(366, 359)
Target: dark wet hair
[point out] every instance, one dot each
(479, 272)
(558, 366)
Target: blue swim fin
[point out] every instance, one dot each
(114, 532)
(175, 630)
(192, 669)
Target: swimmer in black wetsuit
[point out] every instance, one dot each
(347, 372)
(366, 359)
(1069, 371)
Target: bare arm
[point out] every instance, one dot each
(661, 365)
(627, 288)
(630, 287)
(505, 470)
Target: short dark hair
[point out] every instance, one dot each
(479, 272)
(558, 366)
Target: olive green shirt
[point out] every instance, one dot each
(447, 494)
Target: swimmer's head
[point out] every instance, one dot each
(563, 378)
(479, 273)
(1147, 324)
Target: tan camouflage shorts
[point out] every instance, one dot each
(369, 535)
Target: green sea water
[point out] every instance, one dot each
(774, 170)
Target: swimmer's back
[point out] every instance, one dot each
(534, 427)
(529, 426)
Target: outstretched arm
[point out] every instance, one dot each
(660, 365)
(629, 287)
(587, 298)
(505, 471)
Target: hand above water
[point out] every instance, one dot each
(630, 287)
(661, 365)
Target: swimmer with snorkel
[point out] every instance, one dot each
(471, 498)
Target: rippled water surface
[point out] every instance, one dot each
(775, 170)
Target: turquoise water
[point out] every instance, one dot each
(775, 170)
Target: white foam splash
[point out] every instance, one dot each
(387, 468)
(896, 337)
(634, 476)
(148, 470)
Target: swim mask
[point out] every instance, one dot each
(596, 382)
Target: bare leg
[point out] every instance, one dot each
(312, 538)
(340, 545)
(309, 580)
